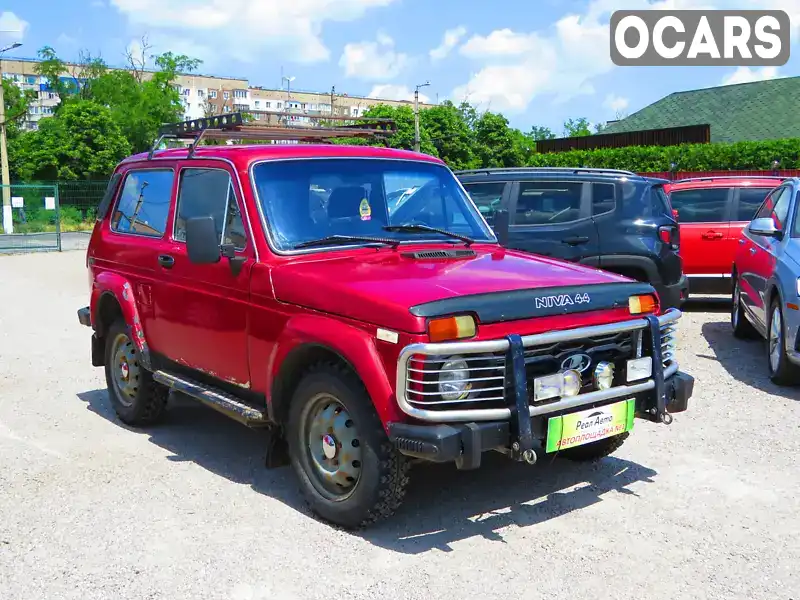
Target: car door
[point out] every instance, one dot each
(746, 202)
(489, 197)
(202, 309)
(704, 215)
(553, 218)
(758, 256)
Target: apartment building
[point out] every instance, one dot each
(206, 95)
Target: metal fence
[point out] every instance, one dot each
(47, 215)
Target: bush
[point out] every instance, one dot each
(686, 157)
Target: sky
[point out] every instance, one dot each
(539, 62)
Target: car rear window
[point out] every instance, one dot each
(707, 205)
(749, 200)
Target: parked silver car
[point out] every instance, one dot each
(766, 277)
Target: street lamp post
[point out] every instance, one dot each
(288, 81)
(416, 114)
(8, 224)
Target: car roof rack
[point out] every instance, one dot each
(232, 126)
(715, 177)
(596, 171)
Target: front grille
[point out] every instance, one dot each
(487, 372)
(668, 343)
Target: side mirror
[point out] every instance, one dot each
(202, 241)
(764, 226)
(500, 226)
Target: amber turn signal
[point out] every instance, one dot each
(642, 304)
(451, 328)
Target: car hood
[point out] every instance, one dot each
(395, 289)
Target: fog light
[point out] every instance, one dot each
(550, 386)
(604, 375)
(572, 383)
(639, 368)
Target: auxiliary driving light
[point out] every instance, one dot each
(639, 368)
(566, 383)
(604, 375)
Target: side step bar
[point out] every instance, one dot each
(223, 402)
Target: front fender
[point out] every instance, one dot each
(353, 344)
(115, 285)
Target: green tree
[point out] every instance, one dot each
(52, 68)
(82, 142)
(577, 127)
(541, 133)
(450, 135)
(403, 139)
(495, 142)
(524, 144)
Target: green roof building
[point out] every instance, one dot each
(762, 110)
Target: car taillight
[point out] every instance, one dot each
(670, 236)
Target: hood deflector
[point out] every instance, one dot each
(497, 307)
(440, 254)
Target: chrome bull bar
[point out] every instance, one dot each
(668, 367)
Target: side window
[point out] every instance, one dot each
(487, 197)
(602, 198)
(749, 201)
(706, 205)
(143, 204)
(781, 210)
(204, 192)
(547, 203)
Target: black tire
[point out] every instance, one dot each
(742, 328)
(595, 450)
(143, 400)
(383, 472)
(784, 372)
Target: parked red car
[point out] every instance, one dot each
(712, 211)
(285, 286)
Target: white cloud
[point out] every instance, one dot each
(502, 42)
(12, 27)
(616, 103)
(748, 75)
(563, 61)
(66, 40)
(375, 61)
(245, 29)
(389, 91)
(449, 41)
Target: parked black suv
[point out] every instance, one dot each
(615, 220)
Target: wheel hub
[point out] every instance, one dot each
(329, 446)
(124, 370)
(126, 375)
(333, 447)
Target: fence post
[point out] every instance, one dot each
(58, 217)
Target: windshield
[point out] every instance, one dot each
(305, 200)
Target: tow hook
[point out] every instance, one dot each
(528, 455)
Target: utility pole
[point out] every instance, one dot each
(416, 114)
(8, 222)
(333, 91)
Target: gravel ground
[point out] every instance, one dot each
(704, 508)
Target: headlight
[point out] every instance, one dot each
(453, 384)
(604, 375)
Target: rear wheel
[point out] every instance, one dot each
(781, 370)
(742, 328)
(136, 397)
(349, 472)
(595, 450)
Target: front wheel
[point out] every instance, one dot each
(781, 370)
(349, 472)
(742, 328)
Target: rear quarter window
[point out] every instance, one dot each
(707, 205)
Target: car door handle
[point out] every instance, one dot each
(575, 240)
(712, 235)
(166, 261)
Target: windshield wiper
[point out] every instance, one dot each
(332, 240)
(418, 228)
